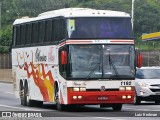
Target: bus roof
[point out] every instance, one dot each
(73, 12)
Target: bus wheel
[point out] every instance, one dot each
(60, 106)
(29, 103)
(22, 97)
(22, 94)
(117, 107)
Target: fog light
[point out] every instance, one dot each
(74, 97)
(79, 97)
(129, 97)
(124, 97)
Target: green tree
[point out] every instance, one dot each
(5, 39)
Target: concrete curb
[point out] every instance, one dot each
(2, 81)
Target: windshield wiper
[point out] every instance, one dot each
(113, 65)
(92, 71)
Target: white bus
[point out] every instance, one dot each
(74, 56)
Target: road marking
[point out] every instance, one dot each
(140, 109)
(9, 93)
(19, 108)
(108, 118)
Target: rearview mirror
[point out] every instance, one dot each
(139, 60)
(64, 57)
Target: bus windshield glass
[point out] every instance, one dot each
(101, 61)
(100, 27)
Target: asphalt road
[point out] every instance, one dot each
(8, 102)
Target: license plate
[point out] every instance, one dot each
(158, 93)
(103, 98)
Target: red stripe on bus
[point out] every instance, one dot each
(62, 44)
(126, 41)
(78, 41)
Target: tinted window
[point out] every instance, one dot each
(23, 33)
(148, 73)
(28, 33)
(41, 31)
(14, 36)
(35, 33)
(139, 74)
(62, 29)
(18, 35)
(48, 31)
(56, 30)
(100, 27)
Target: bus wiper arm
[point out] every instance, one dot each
(92, 71)
(113, 65)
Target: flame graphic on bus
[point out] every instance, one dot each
(44, 80)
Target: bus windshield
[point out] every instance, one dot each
(100, 27)
(101, 61)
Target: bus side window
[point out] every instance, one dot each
(55, 30)
(35, 33)
(62, 29)
(28, 34)
(48, 31)
(22, 34)
(14, 36)
(18, 35)
(41, 31)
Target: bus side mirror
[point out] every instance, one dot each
(139, 60)
(64, 57)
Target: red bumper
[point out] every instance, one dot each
(100, 97)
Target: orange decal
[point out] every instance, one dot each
(20, 66)
(43, 80)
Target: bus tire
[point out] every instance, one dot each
(22, 97)
(25, 93)
(117, 107)
(29, 103)
(22, 94)
(59, 106)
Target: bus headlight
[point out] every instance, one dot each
(128, 88)
(122, 88)
(75, 89)
(82, 89)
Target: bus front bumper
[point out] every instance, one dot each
(101, 97)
